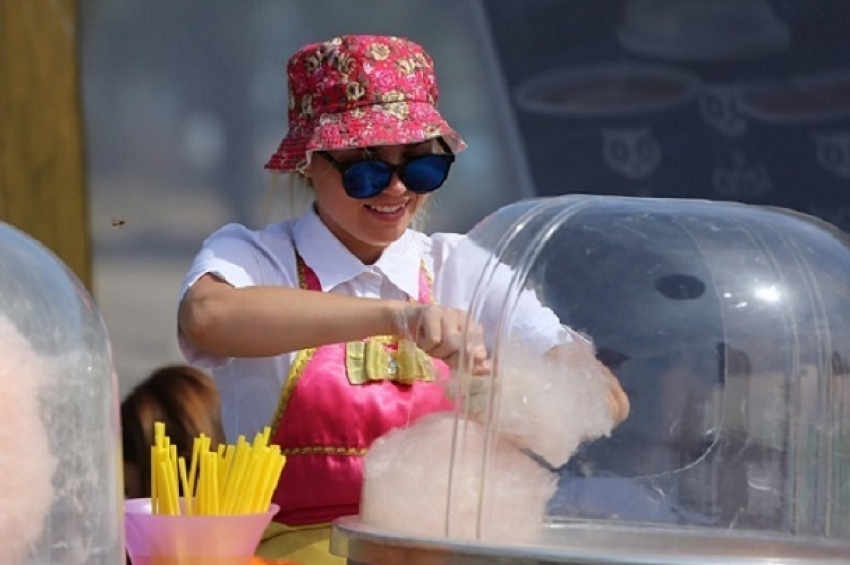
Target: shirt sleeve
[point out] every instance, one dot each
(241, 258)
(467, 270)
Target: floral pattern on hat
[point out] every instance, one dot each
(360, 91)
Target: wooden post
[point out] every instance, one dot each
(42, 185)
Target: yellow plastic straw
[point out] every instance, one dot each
(168, 501)
(277, 469)
(187, 491)
(154, 483)
(193, 467)
(232, 479)
(213, 458)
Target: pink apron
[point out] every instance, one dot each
(337, 400)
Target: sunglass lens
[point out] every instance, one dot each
(366, 179)
(427, 173)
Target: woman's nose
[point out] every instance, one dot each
(396, 185)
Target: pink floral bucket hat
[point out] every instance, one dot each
(360, 91)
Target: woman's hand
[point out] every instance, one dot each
(444, 333)
(618, 402)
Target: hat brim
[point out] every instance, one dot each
(398, 123)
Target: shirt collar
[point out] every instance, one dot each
(334, 264)
(401, 263)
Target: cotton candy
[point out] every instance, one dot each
(406, 484)
(537, 407)
(551, 404)
(26, 463)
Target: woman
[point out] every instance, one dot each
(324, 325)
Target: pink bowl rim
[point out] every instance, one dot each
(142, 506)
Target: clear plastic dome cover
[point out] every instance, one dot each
(60, 492)
(728, 326)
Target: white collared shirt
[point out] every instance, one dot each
(250, 387)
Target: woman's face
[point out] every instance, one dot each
(366, 226)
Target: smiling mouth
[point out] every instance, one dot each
(387, 209)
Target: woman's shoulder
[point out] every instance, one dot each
(243, 231)
(249, 256)
(271, 234)
(246, 257)
(437, 240)
(435, 248)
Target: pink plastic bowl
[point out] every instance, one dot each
(191, 540)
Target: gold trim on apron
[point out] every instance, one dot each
(296, 370)
(376, 360)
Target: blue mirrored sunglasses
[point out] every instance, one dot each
(365, 178)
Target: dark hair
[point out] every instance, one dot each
(185, 400)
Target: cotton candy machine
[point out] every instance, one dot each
(728, 325)
(60, 492)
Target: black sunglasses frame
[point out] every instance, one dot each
(394, 168)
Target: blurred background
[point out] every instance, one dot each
(183, 102)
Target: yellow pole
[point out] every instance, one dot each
(42, 179)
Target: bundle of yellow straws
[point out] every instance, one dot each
(234, 479)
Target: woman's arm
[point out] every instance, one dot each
(265, 321)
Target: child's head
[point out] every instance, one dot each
(186, 401)
(360, 91)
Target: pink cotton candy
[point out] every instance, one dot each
(551, 404)
(26, 463)
(406, 478)
(547, 404)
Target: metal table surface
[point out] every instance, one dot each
(587, 544)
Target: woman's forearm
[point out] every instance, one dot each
(266, 321)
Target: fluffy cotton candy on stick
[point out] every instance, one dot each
(26, 463)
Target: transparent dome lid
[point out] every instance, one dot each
(60, 493)
(728, 327)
